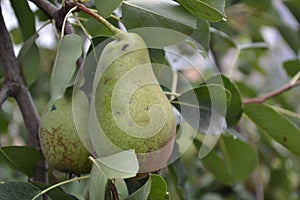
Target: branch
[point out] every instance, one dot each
(263, 98)
(4, 93)
(14, 85)
(58, 15)
(55, 13)
(99, 18)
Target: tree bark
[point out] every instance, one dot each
(14, 86)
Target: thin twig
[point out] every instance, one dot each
(259, 186)
(263, 98)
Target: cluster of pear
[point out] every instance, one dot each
(131, 109)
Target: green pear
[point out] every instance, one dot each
(60, 142)
(131, 108)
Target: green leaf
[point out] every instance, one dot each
(292, 67)
(204, 107)
(275, 125)
(158, 13)
(18, 191)
(212, 10)
(95, 28)
(234, 109)
(55, 193)
(293, 6)
(106, 7)
(159, 188)
(69, 50)
(290, 36)
(155, 188)
(97, 184)
(23, 158)
(202, 34)
(16, 35)
(237, 163)
(25, 17)
(119, 165)
(29, 58)
(222, 38)
(5, 119)
(178, 174)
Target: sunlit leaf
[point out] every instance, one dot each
(159, 188)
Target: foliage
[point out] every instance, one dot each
(236, 68)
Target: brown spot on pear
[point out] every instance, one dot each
(60, 142)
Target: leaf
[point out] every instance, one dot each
(202, 34)
(159, 188)
(212, 10)
(95, 28)
(292, 67)
(29, 58)
(290, 36)
(69, 50)
(97, 184)
(5, 119)
(119, 165)
(23, 158)
(25, 18)
(275, 125)
(179, 175)
(18, 191)
(157, 13)
(106, 7)
(234, 109)
(237, 163)
(204, 107)
(55, 193)
(222, 38)
(142, 193)
(293, 6)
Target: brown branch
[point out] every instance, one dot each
(55, 13)
(5, 92)
(15, 86)
(263, 98)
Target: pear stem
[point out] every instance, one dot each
(98, 17)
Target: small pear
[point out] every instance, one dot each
(60, 142)
(131, 108)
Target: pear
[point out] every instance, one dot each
(60, 142)
(131, 108)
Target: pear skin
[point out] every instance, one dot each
(131, 108)
(60, 143)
